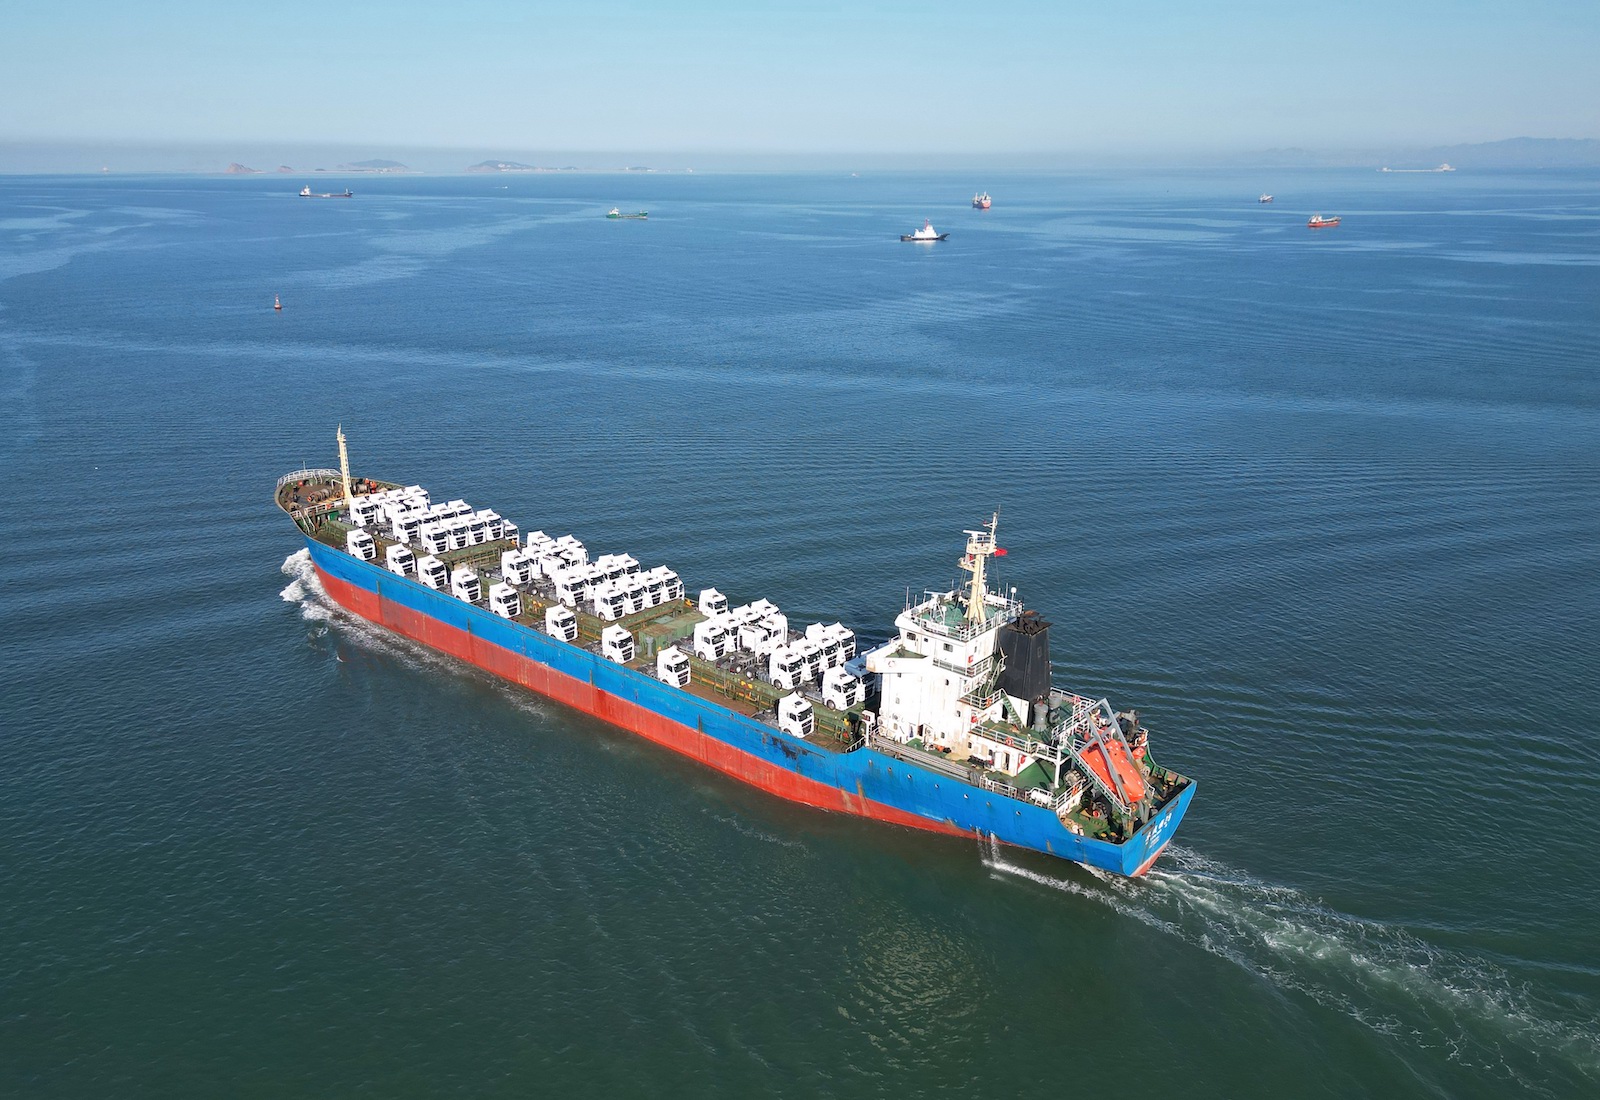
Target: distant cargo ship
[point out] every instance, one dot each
(953, 725)
(1264, 197)
(1319, 222)
(307, 193)
(982, 200)
(637, 215)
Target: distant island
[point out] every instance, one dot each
(373, 166)
(512, 166)
(237, 169)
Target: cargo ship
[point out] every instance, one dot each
(1319, 222)
(953, 725)
(982, 201)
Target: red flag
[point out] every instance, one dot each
(999, 551)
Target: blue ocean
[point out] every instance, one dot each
(1321, 504)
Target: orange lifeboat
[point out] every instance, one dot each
(1104, 755)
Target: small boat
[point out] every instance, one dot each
(277, 305)
(1319, 222)
(981, 200)
(926, 233)
(1264, 197)
(638, 214)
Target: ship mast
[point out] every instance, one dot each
(344, 473)
(980, 544)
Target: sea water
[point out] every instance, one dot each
(1321, 504)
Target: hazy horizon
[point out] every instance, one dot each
(1156, 80)
(42, 157)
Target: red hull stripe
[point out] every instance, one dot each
(1145, 866)
(584, 696)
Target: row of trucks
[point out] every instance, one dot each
(760, 629)
(796, 716)
(406, 515)
(462, 583)
(613, 585)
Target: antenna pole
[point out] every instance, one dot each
(980, 544)
(344, 472)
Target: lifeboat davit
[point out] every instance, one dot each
(1104, 755)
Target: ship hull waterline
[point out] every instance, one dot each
(864, 782)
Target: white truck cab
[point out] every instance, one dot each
(464, 585)
(560, 622)
(401, 561)
(408, 528)
(672, 667)
(710, 640)
(515, 567)
(672, 585)
(812, 656)
(712, 603)
(840, 690)
(505, 601)
(431, 572)
(572, 550)
(435, 539)
(796, 716)
(610, 602)
(786, 668)
(360, 545)
(616, 644)
(633, 589)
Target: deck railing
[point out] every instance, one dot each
(323, 474)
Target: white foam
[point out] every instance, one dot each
(1381, 975)
(316, 606)
(305, 589)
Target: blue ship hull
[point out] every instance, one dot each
(862, 781)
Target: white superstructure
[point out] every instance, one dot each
(937, 669)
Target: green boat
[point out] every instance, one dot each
(640, 214)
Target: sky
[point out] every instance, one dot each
(979, 78)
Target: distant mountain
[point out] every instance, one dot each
(374, 166)
(1511, 153)
(284, 169)
(240, 170)
(1521, 152)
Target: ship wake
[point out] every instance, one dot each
(1387, 978)
(318, 609)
